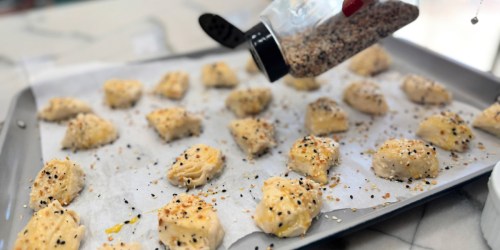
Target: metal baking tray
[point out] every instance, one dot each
(20, 156)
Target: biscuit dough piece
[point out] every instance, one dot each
(401, 159)
(366, 97)
(122, 93)
(446, 130)
(62, 108)
(174, 123)
(188, 222)
(59, 180)
(312, 156)
(253, 136)
(324, 116)
(370, 61)
(219, 75)
(489, 120)
(425, 91)
(288, 207)
(88, 131)
(121, 246)
(53, 227)
(173, 85)
(251, 67)
(305, 83)
(196, 166)
(248, 102)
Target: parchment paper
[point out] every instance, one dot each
(134, 167)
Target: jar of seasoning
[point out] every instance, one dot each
(305, 38)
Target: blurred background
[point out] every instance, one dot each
(39, 35)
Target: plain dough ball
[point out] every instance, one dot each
(251, 67)
(370, 61)
(188, 222)
(401, 159)
(173, 85)
(121, 246)
(253, 136)
(219, 75)
(88, 131)
(248, 102)
(53, 227)
(122, 93)
(425, 91)
(174, 123)
(312, 156)
(324, 116)
(59, 180)
(62, 108)
(288, 207)
(196, 166)
(303, 83)
(446, 130)
(366, 97)
(489, 120)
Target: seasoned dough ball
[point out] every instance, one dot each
(401, 159)
(53, 227)
(251, 67)
(219, 75)
(304, 83)
(174, 123)
(253, 136)
(59, 180)
(196, 166)
(121, 246)
(122, 93)
(489, 120)
(366, 97)
(188, 222)
(447, 131)
(247, 102)
(88, 131)
(288, 207)
(312, 156)
(173, 85)
(62, 108)
(370, 61)
(324, 116)
(425, 91)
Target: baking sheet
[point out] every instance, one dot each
(116, 172)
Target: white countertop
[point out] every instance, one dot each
(128, 30)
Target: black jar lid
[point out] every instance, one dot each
(266, 52)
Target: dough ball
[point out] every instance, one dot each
(188, 222)
(304, 83)
(196, 166)
(489, 120)
(173, 85)
(62, 108)
(366, 97)
(446, 130)
(425, 91)
(59, 180)
(288, 207)
(371, 61)
(53, 227)
(248, 102)
(401, 159)
(219, 75)
(122, 93)
(324, 116)
(88, 131)
(253, 136)
(174, 123)
(251, 67)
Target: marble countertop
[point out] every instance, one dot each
(129, 30)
